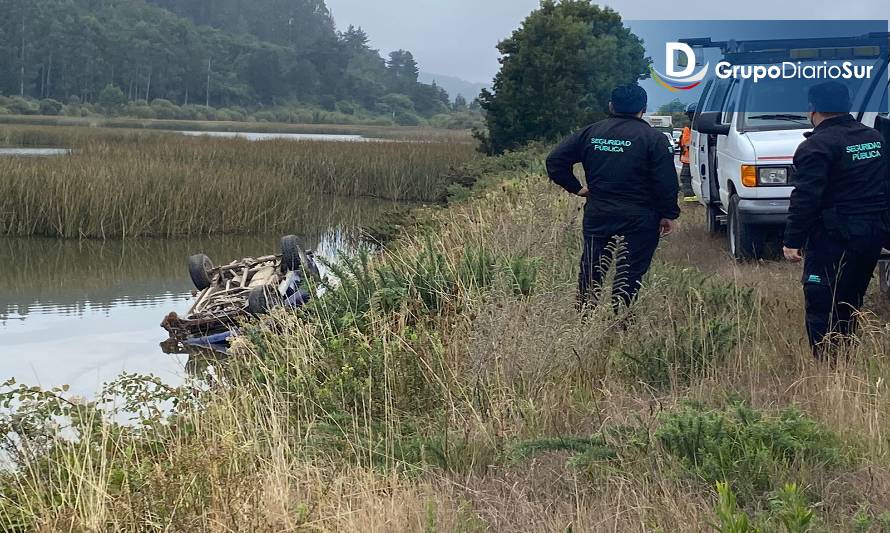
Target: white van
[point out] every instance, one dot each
(741, 162)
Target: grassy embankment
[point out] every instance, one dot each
(449, 385)
(135, 184)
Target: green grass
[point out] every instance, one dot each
(140, 185)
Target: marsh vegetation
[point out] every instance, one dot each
(128, 184)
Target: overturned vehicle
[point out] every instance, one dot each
(225, 295)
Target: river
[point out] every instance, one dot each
(81, 313)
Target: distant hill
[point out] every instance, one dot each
(454, 85)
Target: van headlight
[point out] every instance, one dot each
(772, 175)
(757, 176)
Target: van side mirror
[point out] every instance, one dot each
(709, 123)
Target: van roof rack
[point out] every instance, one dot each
(873, 44)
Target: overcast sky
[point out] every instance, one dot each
(458, 37)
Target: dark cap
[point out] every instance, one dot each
(629, 99)
(830, 97)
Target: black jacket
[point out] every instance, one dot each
(629, 167)
(840, 179)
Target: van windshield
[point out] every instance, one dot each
(781, 104)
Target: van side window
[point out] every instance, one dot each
(718, 96)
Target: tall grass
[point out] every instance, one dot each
(449, 384)
(173, 186)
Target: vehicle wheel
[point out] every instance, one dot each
(745, 240)
(292, 254)
(884, 273)
(199, 269)
(261, 300)
(711, 220)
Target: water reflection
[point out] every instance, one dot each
(276, 136)
(33, 152)
(80, 313)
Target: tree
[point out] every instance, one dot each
(460, 104)
(355, 39)
(112, 97)
(674, 106)
(402, 68)
(557, 72)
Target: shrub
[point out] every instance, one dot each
(237, 114)
(20, 106)
(140, 111)
(586, 449)
(347, 108)
(112, 97)
(222, 115)
(744, 447)
(457, 121)
(404, 118)
(165, 109)
(265, 116)
(705, 329)
(523, 274)
(48, 106)
(683, 353)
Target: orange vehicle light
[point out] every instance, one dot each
(749, 175)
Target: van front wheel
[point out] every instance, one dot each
(745, 240)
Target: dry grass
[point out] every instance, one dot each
(172, 186)
(405, 418)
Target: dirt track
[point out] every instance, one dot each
(693, 245)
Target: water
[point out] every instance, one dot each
(276, 136)
(81, 313)
(33, 152)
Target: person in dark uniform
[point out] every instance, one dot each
(631, 192)
(838, 214)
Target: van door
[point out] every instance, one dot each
(705, 147)
(696, 141)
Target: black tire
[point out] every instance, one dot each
(293, 257)
(712, 212)
(199, 269)
(261, 300)
(745, 240)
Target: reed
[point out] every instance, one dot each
(168, 185)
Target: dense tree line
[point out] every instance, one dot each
(217, 52)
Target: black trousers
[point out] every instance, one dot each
(686, 181)
(837, 273)
(628, 241)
